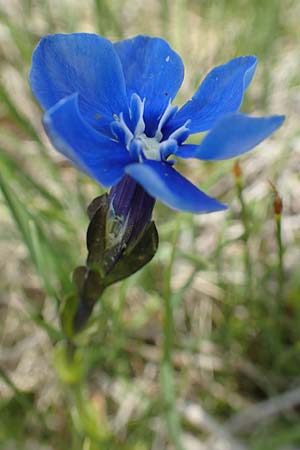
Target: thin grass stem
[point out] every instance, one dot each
(167, 372)
(277, 209)
(280, 257)
(247, 230)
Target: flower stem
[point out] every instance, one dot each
(167, 372)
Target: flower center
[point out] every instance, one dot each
(129, 130)
(150, 147)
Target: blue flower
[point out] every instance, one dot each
(109, 110)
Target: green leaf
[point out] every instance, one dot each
(67, 313)
(15, 169)
(69, 363)
(42, 252)
(16, 116)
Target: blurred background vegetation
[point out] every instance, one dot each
(234, 284)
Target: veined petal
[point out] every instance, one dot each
(233, 135)
(164, 183)
(220, 93)
(98, 156)
(152, 70)
(85, 63)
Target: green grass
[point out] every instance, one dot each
(213, 314)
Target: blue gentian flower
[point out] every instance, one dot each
(109, 110)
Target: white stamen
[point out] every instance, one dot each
(167, 147)
(140, 126)
(141, 147)
(178, 132)
(168, 111)
(128, 133)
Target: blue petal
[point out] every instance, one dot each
(152, 70)
(233, 135)
(220, 93)
(172, 189)
(85, 63)
(98, 156)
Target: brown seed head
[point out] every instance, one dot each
(237, 170)
(277, 202)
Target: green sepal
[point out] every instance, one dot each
(67, 314)
(96, 233)
(77, 308)
(106, 263)
(96, 204)
(90, 287)
(135, 257)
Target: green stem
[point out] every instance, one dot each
(167, 372)
(280, 270)
(246, 237)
